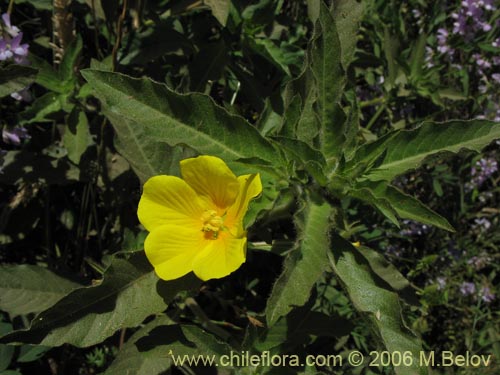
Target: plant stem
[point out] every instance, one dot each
(119, 32)
(11, 6)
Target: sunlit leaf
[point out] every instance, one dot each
(26, 289)
(304, 265)
(76, 137)
(147, 116)
(379, 304)
(409, 148)
(152, 348)
(129, 292)
(406, 206)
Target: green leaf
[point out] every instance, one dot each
(296, 328)
(326, 66)
(367, 156)
(391, 50)
(42, 107)
(383, 269)
(304, 265)
(220, 9)
(313, 9)
(30, 353)
(388, 273)
(152, 348)
(451, 94)
(147, 116)
(129, 292)
(47, 76)
(380, 305)
(27, 289)
(406, 206)
(381, 203)
(347, 15)
(76, 137)
(300, 151)
(408, 149)
(300, 119)
(6, 351)
(417, 59)
(278, 55)
(14, 78)
(38, 4)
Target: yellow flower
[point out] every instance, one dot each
(196, 223)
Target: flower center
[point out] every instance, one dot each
(212, 223)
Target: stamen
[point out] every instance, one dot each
(211, 222)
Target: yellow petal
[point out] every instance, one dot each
(171, 250)
(220, 257)
(250, 187)
(210, 176)
(169, 200)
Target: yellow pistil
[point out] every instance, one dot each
(211, 222)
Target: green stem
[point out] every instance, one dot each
(476, 319)
(11, 6)
(369, 103)
(375, 117)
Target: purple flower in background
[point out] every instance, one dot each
(5, 52)
(467, 288)
(481, 171)
(19, 50)
(486, 294)
(23, 95)
(442, 38)
(460, 24)
(488, 166)
(11, 30)
(12, 49)
(15, 135)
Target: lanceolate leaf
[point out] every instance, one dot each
(26, 289)
(129, 292)
(380, 305)
(408, 149)
(76, 137)
(151, 349)
(347, 15)
(220, 9)
(385, 270)
(380, 203)
(300, 119)
(388, 273)
(367, 156)
(300, 151)
(147, 116)
(14, 78)
(406, 206)
(304, 265)
(70, 60)
(326, 65)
